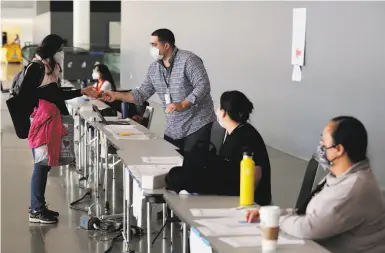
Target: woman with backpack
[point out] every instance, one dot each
(41, 82)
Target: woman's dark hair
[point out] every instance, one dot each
(237, 106)
(49, 46)
(351, 134)
(105, 74)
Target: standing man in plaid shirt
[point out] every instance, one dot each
(181, 82)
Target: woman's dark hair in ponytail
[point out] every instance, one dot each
(236, 105)
(49, 46)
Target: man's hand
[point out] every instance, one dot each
(108, 96)
(89, 91)
(178, 107)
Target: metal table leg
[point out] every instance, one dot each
(125, 241)
(79, 161)
(172, 230)
(97, 168)
(86, 157)
(128, 181)
(105, 142)
(184, 237)
(83, 155)
(148, 227)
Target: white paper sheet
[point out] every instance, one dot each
(216, 230)
(297, 73)
(174, 160)
(299, 36)
(254, 241)
(136, 134)
(137, 137)
(237, 221)
(220, 212)
(152, 170)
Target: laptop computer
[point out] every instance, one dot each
(104, 121)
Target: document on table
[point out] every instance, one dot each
(238, 221)
(254, 241)
(174, 160)
(219, 212)
(217, 230)
(152, 170)
(126, 132)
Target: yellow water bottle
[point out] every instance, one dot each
(247, 180)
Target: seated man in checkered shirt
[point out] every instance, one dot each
(181, 81)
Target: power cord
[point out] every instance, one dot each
(72, 204)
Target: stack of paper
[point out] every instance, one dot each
(229, 231)
(174, 160)
(218, 212)
(255, 241)
(126, 132)
(151, 176)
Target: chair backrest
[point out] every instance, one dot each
(147, 115)
(218, 135)
(308, 182)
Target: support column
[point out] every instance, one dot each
(81, 24)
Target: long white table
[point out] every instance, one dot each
(181, 206)
(129, 151)
(133, 156)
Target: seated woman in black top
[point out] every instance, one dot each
(41, 81)
(220, 174)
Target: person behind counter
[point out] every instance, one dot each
(346, 211)
(220, 174)
(104, 81)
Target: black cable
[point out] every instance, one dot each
(115, 239)
(87, 193)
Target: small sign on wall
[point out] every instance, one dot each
(298, 43)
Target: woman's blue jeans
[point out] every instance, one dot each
(38, 185)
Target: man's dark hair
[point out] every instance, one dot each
(165, 36)
(352, 135)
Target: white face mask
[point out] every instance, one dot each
(95, 75)
(59, 57)
(220, 121)
(155, 53)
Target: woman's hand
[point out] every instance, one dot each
(252, 216)
(90, 91)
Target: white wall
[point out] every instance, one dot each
(42, 27)
(247, 46)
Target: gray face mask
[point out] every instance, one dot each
(323, 160)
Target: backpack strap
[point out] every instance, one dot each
(41, 66)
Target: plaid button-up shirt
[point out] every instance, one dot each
(187, 79)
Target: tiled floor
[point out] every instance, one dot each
(17, 235)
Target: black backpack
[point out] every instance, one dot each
(18, 106)
(19, 78)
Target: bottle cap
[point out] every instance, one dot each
(248, 153)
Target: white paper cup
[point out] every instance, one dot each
(269, 220)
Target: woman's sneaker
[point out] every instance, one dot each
(43, 217)
(51, 212)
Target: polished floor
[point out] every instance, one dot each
(18, 235)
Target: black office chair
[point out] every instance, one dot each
(218, 136)
(308, 182)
